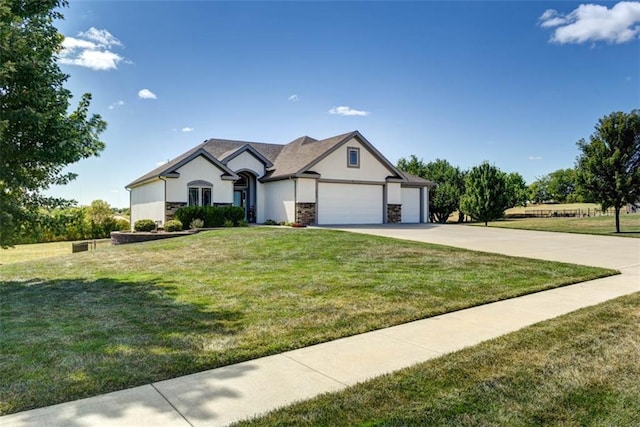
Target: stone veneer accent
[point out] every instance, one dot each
(170, 209)
(306, 213)
(394, 213)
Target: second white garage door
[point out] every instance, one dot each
(349, 203)
(411, 205)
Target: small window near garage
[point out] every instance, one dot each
(353, 157)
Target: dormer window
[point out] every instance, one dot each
(353, 157)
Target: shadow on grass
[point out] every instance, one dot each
(67, 339)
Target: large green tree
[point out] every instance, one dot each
(413, 165)
(40, 133)
(560, 186)
(539, 190)
(517, 190)
(563, 186)
(609, 166)
(486, 195)
(444, 198)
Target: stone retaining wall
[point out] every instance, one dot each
(122, 238)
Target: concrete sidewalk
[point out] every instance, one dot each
(222, 396)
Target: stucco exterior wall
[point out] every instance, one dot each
(394, 193)
(305, 190)
(246, 161)
(279, 200)
(147, 202)
(334, 166)
(260, 203)
(199, 169)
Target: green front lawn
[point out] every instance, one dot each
(602, 225)
(93, 322)
(22, 253)
(581, 369)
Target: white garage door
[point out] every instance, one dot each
(349, 203)
(411, 205)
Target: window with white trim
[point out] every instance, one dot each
(200, 193)
(353, 157)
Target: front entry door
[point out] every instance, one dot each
(239, 198)
(244, 195)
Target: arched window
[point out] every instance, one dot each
(200, 193)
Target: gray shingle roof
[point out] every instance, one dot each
(416, 180)
(296, 157)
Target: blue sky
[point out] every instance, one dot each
(512, 82)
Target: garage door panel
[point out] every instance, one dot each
(349, 203)
(411, 205)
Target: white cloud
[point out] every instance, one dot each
(94, 59)
(72, 43)
(347, 111)
(119, 103)
(187, 129)
(91, 49)
(594, 23)
(535, 157)
(146, 94)
(161, 163)
(101, 37)
(293, 98)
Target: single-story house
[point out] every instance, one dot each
(339, 180)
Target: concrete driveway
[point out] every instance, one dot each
(620, 253)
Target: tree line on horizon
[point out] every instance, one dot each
(607, 172)
(69, 223)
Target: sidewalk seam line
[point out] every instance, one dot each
(315, 370)
(437, 353)
(171, 404)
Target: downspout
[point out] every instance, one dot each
(385, 199)
(130, 221)
(295, 200)
(422, 190)
(164, 207)
(317, 184)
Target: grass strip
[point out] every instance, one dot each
(599, 225)
(31, 252)
(581, 369)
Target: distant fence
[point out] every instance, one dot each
(554, 213)
(88, 245)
